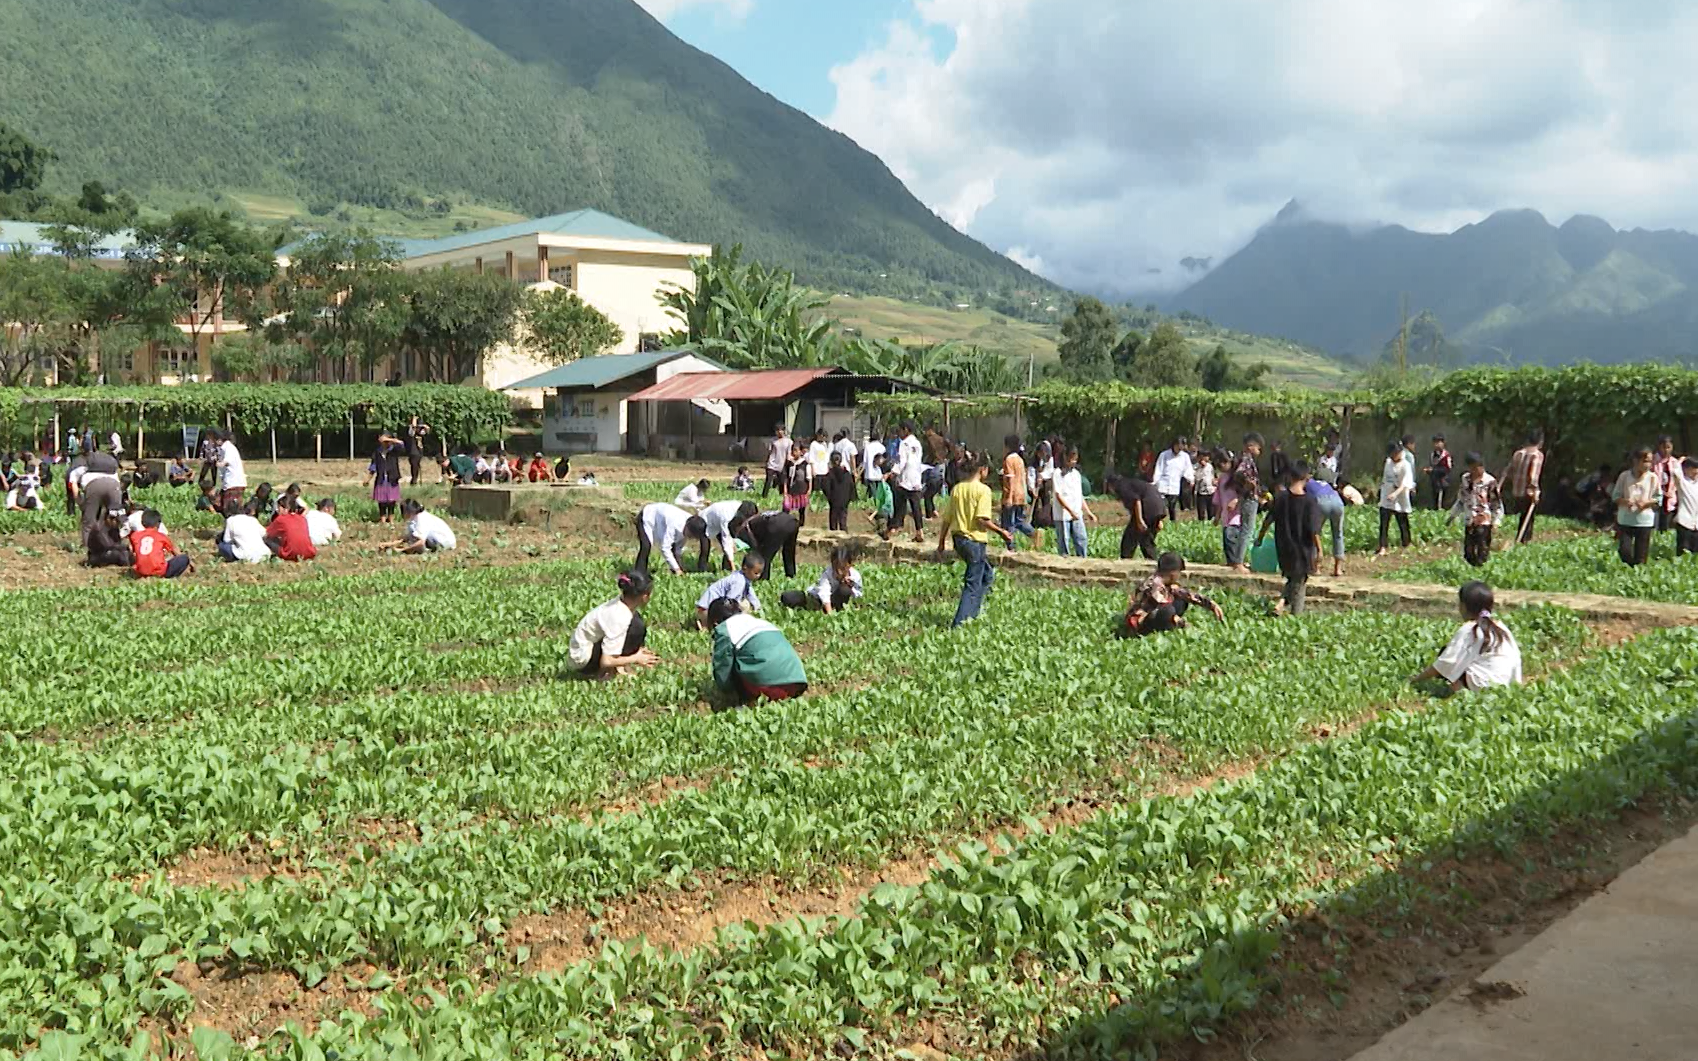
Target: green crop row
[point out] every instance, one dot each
(959, 739)
(1583, 564)
(1145, 924)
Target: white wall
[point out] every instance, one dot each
(626, 287)
(615, 419)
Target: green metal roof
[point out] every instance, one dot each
(33, 238)
(599, 371)
(592, 224)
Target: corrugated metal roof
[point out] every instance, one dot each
(592, 224)
(33, 238)
(599, 371)
(767, 385)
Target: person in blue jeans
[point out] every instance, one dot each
(1014, 495)
(1071, 511)
(1331, 504)
(969, 519)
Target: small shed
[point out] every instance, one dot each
(802, 399)
(586, 404)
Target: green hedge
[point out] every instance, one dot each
(456, 412)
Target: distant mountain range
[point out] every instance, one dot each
(1511, 289)
(428, 107)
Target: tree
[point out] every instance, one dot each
(750, 316)
(344, 297)
(23, 163)
(1087, 338)
(454, 318)
(256, 357)
(563, 327)
(1125, 352)
(210, 265)
(1219, 372)
(1162, 360)
(38, 304)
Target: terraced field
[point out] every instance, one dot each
(374, 815)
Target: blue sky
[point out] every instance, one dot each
(1104, 142)
(786, 47)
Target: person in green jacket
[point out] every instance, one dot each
(752, 659)
(884, 502)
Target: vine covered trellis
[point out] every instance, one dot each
(1579, 408)
(455, 411)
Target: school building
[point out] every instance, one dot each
(619, 268)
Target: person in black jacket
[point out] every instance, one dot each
(839, 492)
(773, 535)
(106, 546)
(1146, 508)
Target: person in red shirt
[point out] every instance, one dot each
(540, 472)
(289, 536)
(155, 555)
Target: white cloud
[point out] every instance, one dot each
(1110, 138)
(665, 9)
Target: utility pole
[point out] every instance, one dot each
(1403, 337)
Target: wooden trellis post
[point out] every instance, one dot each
(1108, 448)
(141, 430)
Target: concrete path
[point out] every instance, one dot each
(1615, 979)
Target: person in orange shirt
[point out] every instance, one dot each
(155, 555)
(289, 536)
(1013, 514)
(539, 470)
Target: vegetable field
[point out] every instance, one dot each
(1584, 563)
(376, 816)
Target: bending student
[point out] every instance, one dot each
(752, 659)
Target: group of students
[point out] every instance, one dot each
(752, 659)
(469, 466)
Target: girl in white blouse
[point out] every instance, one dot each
(1483, 653)
(1397, 495)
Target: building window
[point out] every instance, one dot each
(648, 342)
(561, 274)
(584, 408)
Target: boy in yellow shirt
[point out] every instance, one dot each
(969, 520)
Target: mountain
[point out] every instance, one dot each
(1511, 288)
(529, 106)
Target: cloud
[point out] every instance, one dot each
(1110, 138)
(665, 9)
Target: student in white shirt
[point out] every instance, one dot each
(1483, 653)
(232, 473)
(425, 532)
(1173, 471)
(133, 523)
(322, 525)
(738, 586)
(613, 638)
(693, 496)
(846, 448)
(1686, 508)
(117, 445)
(819, 460)
(839, 584)
(1070, 509)
(665, 527)
(870, 453)
(1397, 495)
(721, 523)
(243, 540)
(908, 480)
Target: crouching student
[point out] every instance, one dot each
(289, 537)
(1159, 602)
(752, 659)
(155, 555)
(1483, 653)
(426, 532)
(738, 587)
(839, 584)
(106, 546)
(612, 639)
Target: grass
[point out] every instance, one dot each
(270, 209)
(911, 322)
